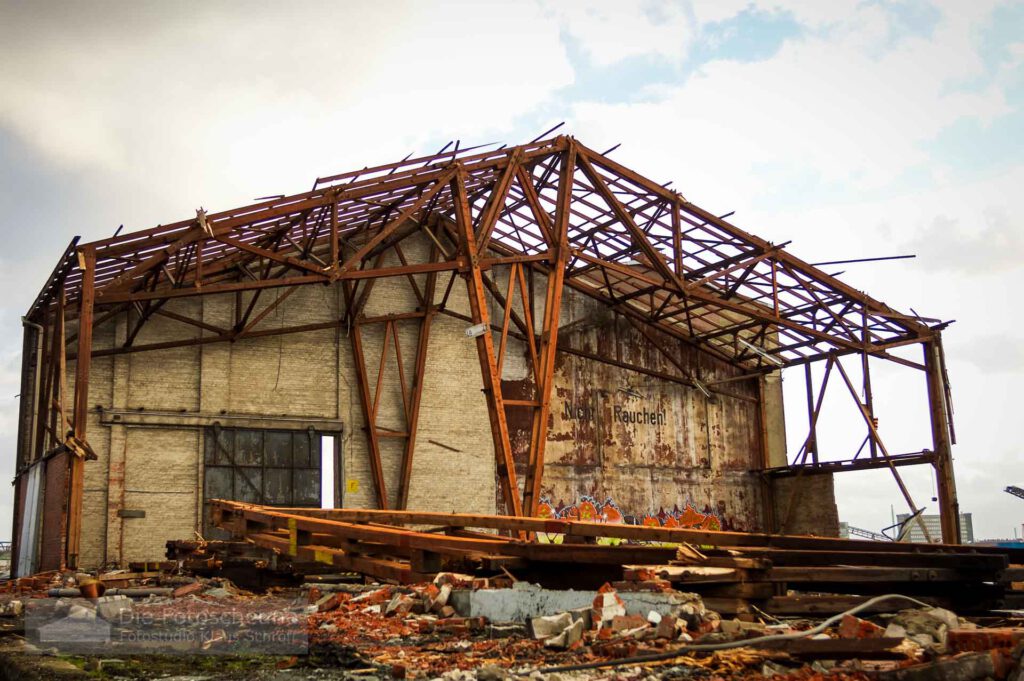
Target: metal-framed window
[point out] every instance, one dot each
(274, 467)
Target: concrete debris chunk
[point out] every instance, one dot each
(112, 608)
(895, 631)
(569, 636)
(927, 627)
(80, 612)
(550, 625)
(586, 614)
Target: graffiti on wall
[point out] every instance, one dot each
(589, 509)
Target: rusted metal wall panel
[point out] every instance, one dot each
(627, 446)
(55, 499)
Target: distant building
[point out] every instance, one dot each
(935, 529)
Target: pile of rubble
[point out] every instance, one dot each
(459, 626)
(424, 631)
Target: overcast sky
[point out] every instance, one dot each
(854, 129)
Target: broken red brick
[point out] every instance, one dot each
(181, 591)
(652, 584)
(331, 603)
(963, 640)
(667, 627)
(627, 622)
(380, 596)
(855, 627)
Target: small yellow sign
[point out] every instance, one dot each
(351, 485)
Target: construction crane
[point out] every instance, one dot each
(1015, 491)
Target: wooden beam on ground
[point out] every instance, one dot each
(643, 533)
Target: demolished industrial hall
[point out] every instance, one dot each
(510, 377)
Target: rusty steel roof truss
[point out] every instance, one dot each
(640, 248)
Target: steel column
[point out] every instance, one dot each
(549, 332)
(485, 350)
(87, 261)
(419, 374)
(369, 420)
(938, 408)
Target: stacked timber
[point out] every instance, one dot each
(735, 572)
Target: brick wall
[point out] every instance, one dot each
(160, 469)
(807, 505)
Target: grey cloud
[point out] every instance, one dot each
(997, 244)
(992, 353)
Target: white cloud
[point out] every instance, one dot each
(612, 30)
(213, 100)
(826, 105)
